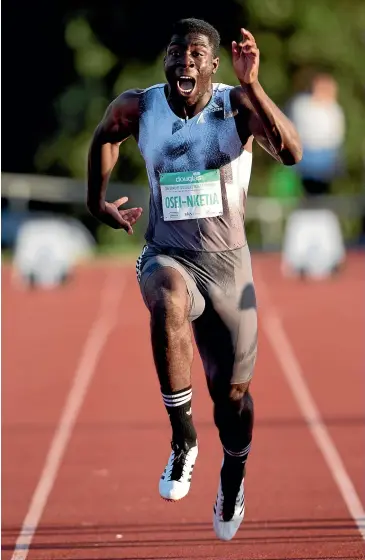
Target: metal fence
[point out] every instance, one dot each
(269, 213)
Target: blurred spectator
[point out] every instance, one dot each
(321, 125)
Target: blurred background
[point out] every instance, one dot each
(65, 61)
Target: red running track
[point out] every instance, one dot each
(100, 487)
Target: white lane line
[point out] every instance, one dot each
(106, 319)
(293, 373)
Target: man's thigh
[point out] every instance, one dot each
(149, 262)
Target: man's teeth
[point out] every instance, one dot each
(185, 79)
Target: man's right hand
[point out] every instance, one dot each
(110, 215)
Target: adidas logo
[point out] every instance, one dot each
(213, 108)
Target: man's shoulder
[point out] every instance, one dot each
(141, 92)
(125, 108)
(235, 92)
(137, 95)
(240, 101)
(219, 86)
(154, 87)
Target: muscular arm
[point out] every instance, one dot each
(260, 117)
(119, 123)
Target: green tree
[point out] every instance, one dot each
(79, 107)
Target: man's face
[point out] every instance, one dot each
(189, 66)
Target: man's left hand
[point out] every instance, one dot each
(246, 58)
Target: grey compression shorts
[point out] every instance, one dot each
(222, 306)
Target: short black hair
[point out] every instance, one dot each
(192, 25)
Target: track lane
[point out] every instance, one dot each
(105, 503)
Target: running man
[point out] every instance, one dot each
(195, 270)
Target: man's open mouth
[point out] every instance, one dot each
(185, 84)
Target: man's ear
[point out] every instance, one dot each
(215, 65)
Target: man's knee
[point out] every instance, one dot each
(238, 391)
(241, 399)
(167, 297)
(234, 403)
(235, 397)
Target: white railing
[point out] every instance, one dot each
(270, 213)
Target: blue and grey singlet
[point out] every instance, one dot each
(189, 208)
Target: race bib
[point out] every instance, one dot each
(191, 195)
